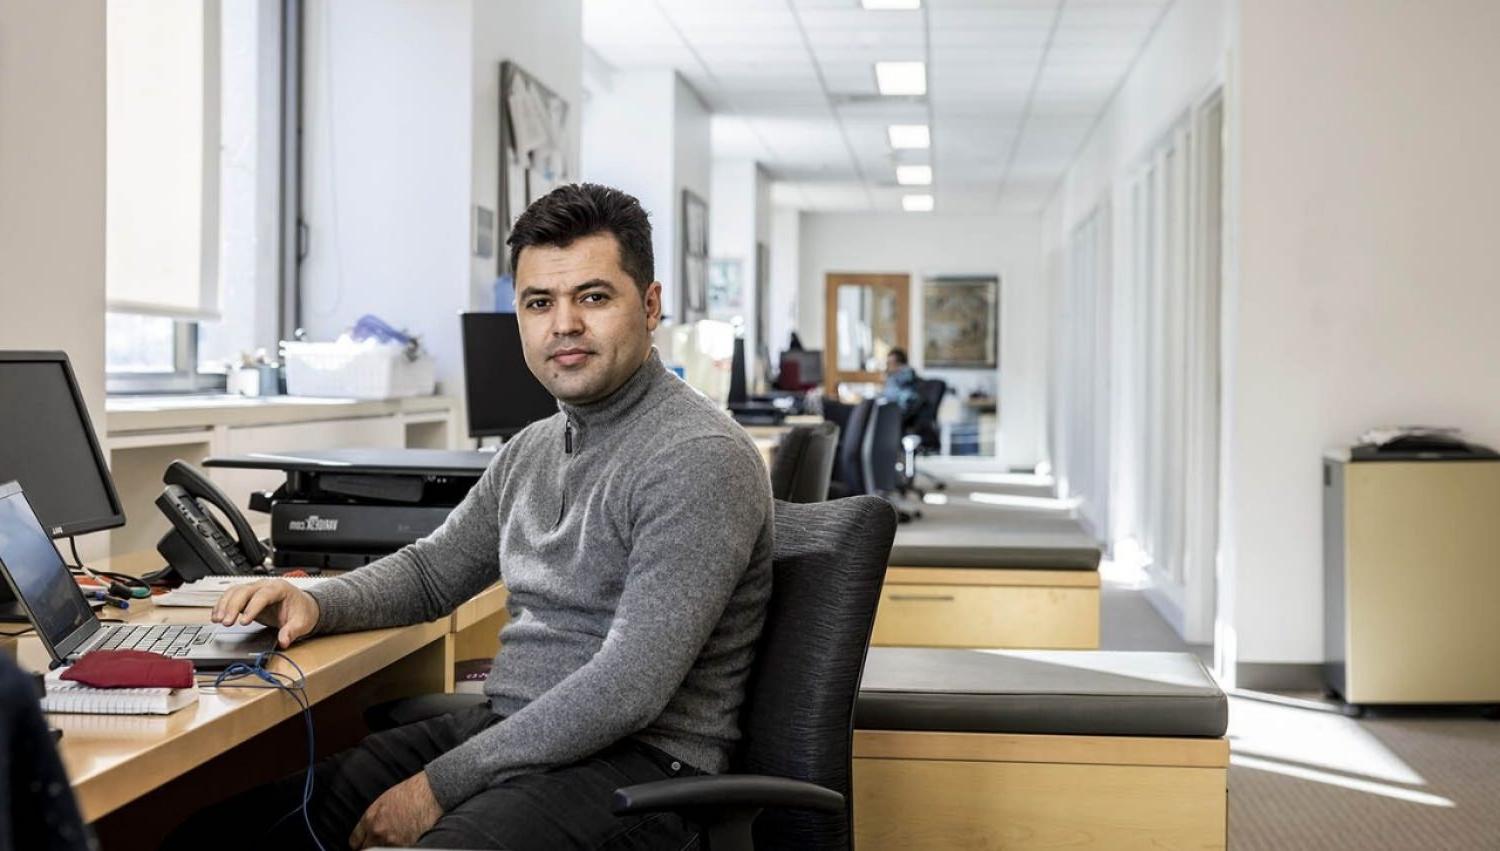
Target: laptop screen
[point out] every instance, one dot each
(38, 574)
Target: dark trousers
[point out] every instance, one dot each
(567, 807)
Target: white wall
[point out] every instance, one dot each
(546, 40)
(52, 187)
(786, 274)
(740, 218)
(401, 141)
(646, 132)
(386, 178)
(1367, 290)
(922, 245)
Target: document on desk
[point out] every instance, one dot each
(205, 592)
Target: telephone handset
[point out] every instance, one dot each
(197, 545)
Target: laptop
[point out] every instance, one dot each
(67, 625)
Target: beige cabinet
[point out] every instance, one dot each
(1412, 580)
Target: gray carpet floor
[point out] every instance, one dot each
(1302, 775)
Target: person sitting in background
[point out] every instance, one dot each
(901, 383)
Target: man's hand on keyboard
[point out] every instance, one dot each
(273, 602)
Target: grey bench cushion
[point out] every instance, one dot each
(1065, 692)
(1063, 553)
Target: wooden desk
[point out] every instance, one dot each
(113, 760)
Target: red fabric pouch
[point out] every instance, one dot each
(130, 669)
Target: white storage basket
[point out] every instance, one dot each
(367, 370)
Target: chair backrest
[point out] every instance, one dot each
(924, 422)
(837, 413)
(798, 718)
(882, 452)
(803, 465)
(851, 463)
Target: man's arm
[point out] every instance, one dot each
(424, 580)
(691, 543)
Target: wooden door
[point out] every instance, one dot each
(865, 316)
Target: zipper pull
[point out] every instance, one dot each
(568, 439)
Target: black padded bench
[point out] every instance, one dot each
(985, 748)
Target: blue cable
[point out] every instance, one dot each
(298, 690)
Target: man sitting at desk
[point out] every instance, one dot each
(632, 531)
(901, 382)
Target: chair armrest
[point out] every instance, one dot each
(725, 791)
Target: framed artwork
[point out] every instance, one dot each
(960, 322)
(533, 146)
(694, 252)
(726, 289)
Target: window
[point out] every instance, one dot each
(194, 118)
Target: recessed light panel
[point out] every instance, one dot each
(882, 5)
(909, 136)
(916, 203)
(914, 175)
(901, 78)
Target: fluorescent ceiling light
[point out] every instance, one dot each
(909, 136)
(901, 78)
(914, 175)
(891, 4)
(916, 203)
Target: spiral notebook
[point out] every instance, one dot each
(68, 696)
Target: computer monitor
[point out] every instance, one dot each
(47, 444)
(801, 369)
(503, 396)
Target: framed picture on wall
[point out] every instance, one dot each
(960, 322)
(694, 252)
(533, 146)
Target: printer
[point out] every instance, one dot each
(344, 508)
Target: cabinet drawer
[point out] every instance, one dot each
(1037, 617)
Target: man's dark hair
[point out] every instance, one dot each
(899, 354)
(577, 210)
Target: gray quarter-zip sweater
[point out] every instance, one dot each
(633, 536)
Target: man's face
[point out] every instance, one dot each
(892, 364)
(585, 327)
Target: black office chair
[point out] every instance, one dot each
(849, 467)
(923, 436)
(795, 760)
(795, 757)
(37, 809)
(882, 457)
(803, 466)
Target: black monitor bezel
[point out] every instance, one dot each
(467, 320)
(84, 526)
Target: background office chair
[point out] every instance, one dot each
(848, 467)
(803, 466)
(923, 436)
(882, 458)
(37, 810)
(795, 760)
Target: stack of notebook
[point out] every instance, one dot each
(69, 696)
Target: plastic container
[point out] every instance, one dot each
(350, 370)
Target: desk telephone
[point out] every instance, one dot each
(198, 545)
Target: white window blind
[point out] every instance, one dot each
(162, 161)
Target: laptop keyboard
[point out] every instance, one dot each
(167, 639)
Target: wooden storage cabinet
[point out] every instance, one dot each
(985, 791)
(980, 607)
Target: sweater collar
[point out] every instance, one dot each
(623, 400)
